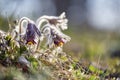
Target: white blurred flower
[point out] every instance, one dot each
(2, 33)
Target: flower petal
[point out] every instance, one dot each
(31, 32)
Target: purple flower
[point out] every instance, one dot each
(31, 32)
(58, 42)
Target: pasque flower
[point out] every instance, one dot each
(52, 30)
(58, 41)
(29, 33)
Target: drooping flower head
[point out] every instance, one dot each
(31, 31)
(52, 30)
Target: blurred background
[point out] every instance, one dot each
(94, 25)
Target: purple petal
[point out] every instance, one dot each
(31, 32)
(37, 30)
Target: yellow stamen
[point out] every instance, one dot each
(60, 44)
(30, 43)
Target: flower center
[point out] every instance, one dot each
(30, 43)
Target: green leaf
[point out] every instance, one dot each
(93, 77)
(92, 68)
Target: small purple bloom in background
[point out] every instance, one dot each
(23, 61)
